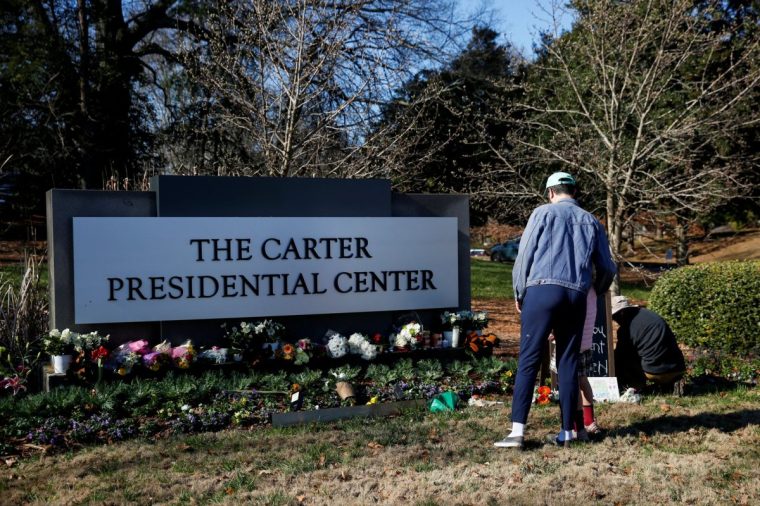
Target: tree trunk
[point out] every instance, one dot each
(614, 234)
(682, 244)
(111, 98)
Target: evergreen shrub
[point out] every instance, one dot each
(714, 306)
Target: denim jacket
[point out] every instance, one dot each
(559, 246)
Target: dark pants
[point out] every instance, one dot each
(546, 308)
(630, 373)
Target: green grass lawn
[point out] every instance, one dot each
(493, 280)
(699, 449)
(12, 275)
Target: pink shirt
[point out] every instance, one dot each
(588, 324)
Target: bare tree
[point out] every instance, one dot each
(299, 84)
(634, 99)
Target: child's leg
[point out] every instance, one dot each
(587, 401)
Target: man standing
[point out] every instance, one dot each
(559, 249)
(646, 348)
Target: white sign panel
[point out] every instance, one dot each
(605, 388)
(153, 269)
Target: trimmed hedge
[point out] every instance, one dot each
(714, 306)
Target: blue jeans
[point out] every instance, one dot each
(546, 308)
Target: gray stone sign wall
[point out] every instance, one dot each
(173, 196)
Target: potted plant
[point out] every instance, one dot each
(344, 376)
(60, 346)
(453, 323)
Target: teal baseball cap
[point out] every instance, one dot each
(560, 178)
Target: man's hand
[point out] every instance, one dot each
(517, 306)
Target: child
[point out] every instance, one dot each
(584, 418)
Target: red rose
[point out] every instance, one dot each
(98, 353)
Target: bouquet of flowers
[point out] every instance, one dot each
(409, 336)
(358, 344)
(479, 320)
(59, 342)
(450, 320)
(99, 354)
(302, 352)
(542, 395)
(248, 336)
(337, 345)
(66, 342)
(214, 355)
(140, 347)
(183, 356)
(160, 355)
(123, 359)
(269, 330)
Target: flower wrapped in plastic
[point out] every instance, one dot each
(337, 345)
(140, 347)
(355, 341)
(215, 355)
(409, 336)
(163, 347)
(359, 344)
(123, 360)
(154, 360)
(182, 356)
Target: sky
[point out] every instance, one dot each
(517, 20)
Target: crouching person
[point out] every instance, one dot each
(646, 348)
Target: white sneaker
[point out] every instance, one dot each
(510, 442)
(593, 428)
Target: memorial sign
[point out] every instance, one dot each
(129, 269)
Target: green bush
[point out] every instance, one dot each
(714, 306)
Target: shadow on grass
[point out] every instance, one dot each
(704, 385)
(725, 422)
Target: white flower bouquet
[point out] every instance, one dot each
(337, 345)
(359, 344)
(408, 336)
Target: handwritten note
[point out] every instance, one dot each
(601, 341)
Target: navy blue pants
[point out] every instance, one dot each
(546, 308)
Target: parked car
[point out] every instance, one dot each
(506, 251)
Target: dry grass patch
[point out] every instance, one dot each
(695, 450)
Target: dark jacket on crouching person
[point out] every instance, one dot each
(646, 349)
